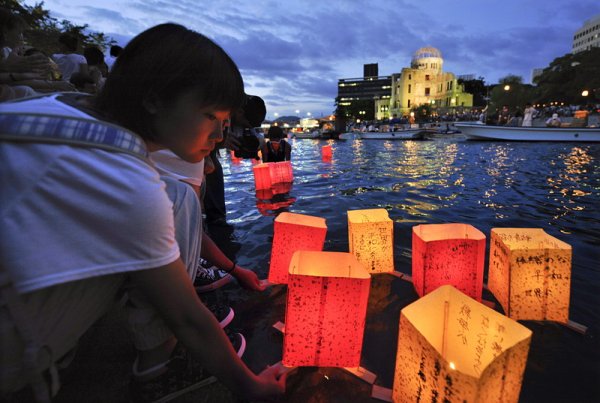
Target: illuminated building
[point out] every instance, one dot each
(588, 36)
(424, 82)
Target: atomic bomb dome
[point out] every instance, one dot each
(427, 58)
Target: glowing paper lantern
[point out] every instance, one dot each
(453, 348)
(371, 239)
(448, 254)
(326, 308)
(235, 160)
(281, 172)
(262, 176)
(530, 274)
(326, 153)
(292, 232)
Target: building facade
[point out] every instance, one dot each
(425, 82)
(588, 36)
(368, 88)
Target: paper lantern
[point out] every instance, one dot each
(371, 239)
(453, 348)
(530, 274)
(235, 160)
(326, 308)
(292, 232)
(326, 153)
(262, 176)
(448, 254)
(281, 172)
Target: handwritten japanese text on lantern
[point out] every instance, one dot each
(530, 274)
(453, 348)
(326, 308)
(292, 232)
(448, 254)
(371, 239)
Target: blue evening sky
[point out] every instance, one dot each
(292, 52)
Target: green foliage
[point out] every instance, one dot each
(477, 88)
(512, 92)
(568, 75)
(422, 113)
(44, 29)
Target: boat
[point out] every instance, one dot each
(315, 134)
(406, 134)
(478, 131)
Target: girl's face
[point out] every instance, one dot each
(188, 130)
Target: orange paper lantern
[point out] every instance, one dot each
(448, 254)
(530, 274)
(453, 348)
(262, 176)
(371, 239)
(292, 232)
(326, 152)
(326, 308)
(281, 172)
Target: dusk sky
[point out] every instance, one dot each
(292, 53)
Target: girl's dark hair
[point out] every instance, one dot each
(160, 64)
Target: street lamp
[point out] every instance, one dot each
(507, 87)
(585, 93)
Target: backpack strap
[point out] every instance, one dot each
(75, 131)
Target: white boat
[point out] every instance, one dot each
(406, 134)
(474, 131)
(307, 135)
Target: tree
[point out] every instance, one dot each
(567, 76)
(44, 29)
(511, 92)
(476, 87)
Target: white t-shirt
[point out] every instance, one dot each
(68, 64)
(170, 165)
(68, 213)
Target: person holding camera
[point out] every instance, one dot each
(276, 149)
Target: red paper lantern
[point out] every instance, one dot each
(281, 172)
(292, 232)
(326, 308)
(262, 176)
(530, 274)
(235, 160)
(448, 254)
(326, 152)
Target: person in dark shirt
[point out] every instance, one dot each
(276, 149)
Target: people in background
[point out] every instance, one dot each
(114, 52)
(276, 149)
(528, 115)
(553, 121)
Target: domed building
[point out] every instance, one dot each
(424, 82)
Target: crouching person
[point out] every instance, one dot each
(85, 216)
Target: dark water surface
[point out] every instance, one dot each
(555, 187)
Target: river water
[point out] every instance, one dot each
(555, 187)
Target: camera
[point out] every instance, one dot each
(244, 139)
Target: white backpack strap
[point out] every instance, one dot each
(42, 128)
